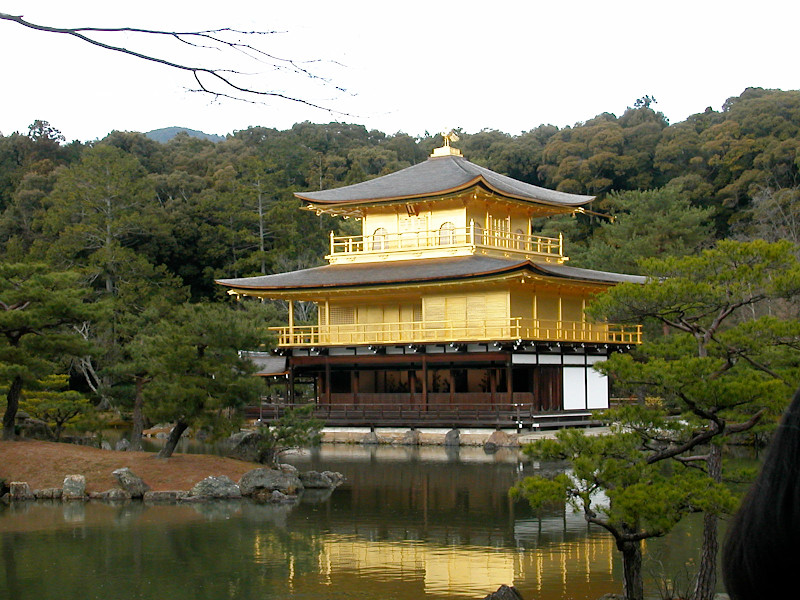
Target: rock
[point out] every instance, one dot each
(105, 445)
(20, 490)
(410, 438)
(122, 446)
(270, 480)
(79, 440)
(500, 439)
(245, 445)
(130, 482)
(263, 496)
(48, 494)
(452, 438)
(113, 495)
(336, 478)
(216, 487)
(612, 597)
(74, 488)
(288, 469)
(279, 497)
(248, 445)
(34, 428)
(370, 439)
(505, 592)
(165, 496)
(319, 481)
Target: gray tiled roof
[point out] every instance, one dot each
(414, 271)
(590, 275)
(267, 364)
(437, 176)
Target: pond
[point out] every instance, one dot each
(409, 523)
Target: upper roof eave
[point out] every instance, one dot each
(435, 177)
(477, 181)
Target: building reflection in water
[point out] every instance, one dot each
(442, 522)
(547, 572)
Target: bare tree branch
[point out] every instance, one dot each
(218, 82)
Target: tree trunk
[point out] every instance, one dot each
(10, 416)
(138, 416)
(707, 569)
(172, 440)
(632, 569)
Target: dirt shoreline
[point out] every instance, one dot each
(45, 464)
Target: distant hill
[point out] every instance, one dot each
(165, 134)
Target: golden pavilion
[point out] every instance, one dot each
(447, 310)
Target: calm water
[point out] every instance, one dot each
(408, 524)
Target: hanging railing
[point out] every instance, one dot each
(473, 236)
(411, 332)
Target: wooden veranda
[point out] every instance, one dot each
(519, 416)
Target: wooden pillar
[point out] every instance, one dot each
(560, 327)
(492, 383)
(354, 385)
(424, 381)
(326, 339)
(327, 381)
(452, 382)
(584, 333)
(291, 320)
(412, 385)
(290, 385)
(510, 382)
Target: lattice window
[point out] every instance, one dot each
(342, 315)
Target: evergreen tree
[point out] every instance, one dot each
(39, 310)
(725, 363)
(196, 374)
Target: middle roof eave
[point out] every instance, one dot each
(435, 177)
(413, 271)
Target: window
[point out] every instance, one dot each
(519, 237)
(342, 315)
(447, 234)
(477, 232)
(379, 239)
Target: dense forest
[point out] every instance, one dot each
(148, 225)
(109, 251)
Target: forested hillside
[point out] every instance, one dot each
(150, 225)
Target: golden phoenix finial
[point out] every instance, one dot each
(449, 137)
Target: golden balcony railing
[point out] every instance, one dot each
(415, 332)
(472, 236)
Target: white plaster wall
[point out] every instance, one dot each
(597, 389)
(574, 388)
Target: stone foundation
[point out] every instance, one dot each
(401, 436)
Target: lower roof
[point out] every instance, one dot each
(428, 270)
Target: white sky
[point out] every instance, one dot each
(409, 65)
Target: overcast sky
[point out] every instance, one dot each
(410, 66)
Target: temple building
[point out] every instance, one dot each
(447, 310)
